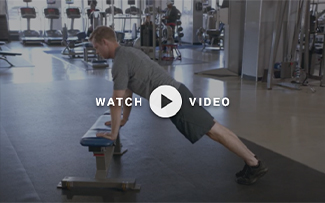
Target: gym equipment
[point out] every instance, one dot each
(29, 36)
(211, 39)
(52, 36)
(89, 51)
(96, 18)
(72, 14)
(149, 10)
(3, 54)
(171, 50)
(103, 149)
(73, 38)
(133, 11)
(71, 43)
(167, 39)
(96, 61)
(211, 34)
(115, 10)
(306, 52)
(89, 17)
(111, 13)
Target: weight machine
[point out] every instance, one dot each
(299, 62)
(211, 35)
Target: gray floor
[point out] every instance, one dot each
(46, 109)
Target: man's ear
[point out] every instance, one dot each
(104, 41)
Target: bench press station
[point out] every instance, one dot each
(103, 149)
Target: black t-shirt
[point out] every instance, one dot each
(172, 15)
(90, 14)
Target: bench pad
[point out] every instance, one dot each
(8, 53)
(90, 139)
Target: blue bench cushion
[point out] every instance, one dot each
(90, 139)
(100, 123)
(108, 112)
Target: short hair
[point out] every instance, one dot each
(103, 32)
(94, 2)
(170, 2)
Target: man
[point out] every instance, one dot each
(134, 71)
(171, 15)
(90, 13)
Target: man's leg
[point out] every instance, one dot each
(253, 169)
(228, 139)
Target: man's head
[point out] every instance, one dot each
(170, 3)
(93, 4)
(104, 41)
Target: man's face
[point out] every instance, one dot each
(170, 5)
(92, 6)
(102, 49)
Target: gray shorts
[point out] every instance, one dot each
(192, 121)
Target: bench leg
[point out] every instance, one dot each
(103, 158)
(5, 59)
(77, 182)
(118, 147)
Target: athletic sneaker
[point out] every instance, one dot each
(250, 174)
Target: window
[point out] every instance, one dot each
(178, 4)
(214, 4)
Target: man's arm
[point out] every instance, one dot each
(116, 111)
(126, 109)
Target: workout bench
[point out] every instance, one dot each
(103, 149)
(3, 54)
(98, 62)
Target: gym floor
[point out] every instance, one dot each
(46, 108)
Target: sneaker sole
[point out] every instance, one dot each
(260, 175)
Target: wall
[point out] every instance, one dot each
(234, 36)
(3, 7)
(259, 26)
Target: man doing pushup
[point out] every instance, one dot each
(134, 71)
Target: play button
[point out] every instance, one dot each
(165, 101)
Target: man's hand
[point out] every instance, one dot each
(123, 122)
(106, 135)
